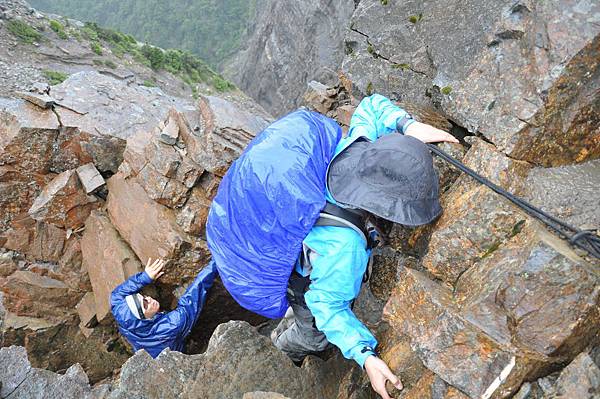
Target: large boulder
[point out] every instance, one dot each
(523, 74)
(108, 260)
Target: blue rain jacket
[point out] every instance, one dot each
(266, 207)
(164, 330)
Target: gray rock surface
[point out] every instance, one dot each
(290, 44)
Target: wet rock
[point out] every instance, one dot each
(237, 346)
(41, 100)
(263, 395)
(107, 258)
(580, 379)
(86, 309)
(151, 230)
(430, 386)
(534, 293)
(167, 376)
(64, 202)
(90, 178)
(571, 193)
(475, 221)
(226, 131)
(15, 369)
(317, 97)
(30, 294)
(284, 63)
(455, 350)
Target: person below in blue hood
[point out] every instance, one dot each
(139, 317)
(381, 168)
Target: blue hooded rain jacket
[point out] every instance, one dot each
(265, 210)
(164, 330)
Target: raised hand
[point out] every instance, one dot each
(428, 134)
(379, 373)
(155, 269)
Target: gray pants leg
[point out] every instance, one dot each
(301, 338)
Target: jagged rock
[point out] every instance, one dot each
(167, 376)
(86, 309)
(90, 177)
(344, 114)
(318, 98)
(41, 100)
(475, 220)
(498, 71)
(152, 232)
(170, 133)
(430, 386)
(192, 217)
(60, 344)
(568, 192)
(15, 369)
(263, 395)
(64, 202)
(580, 379)
(284, 63)
(533, 293)
(226, 131)
(7, 263)
(30, 294)
(37, 240)
(107, 258)
(451, 347)
(237, 346)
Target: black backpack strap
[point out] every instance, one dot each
(333, 215)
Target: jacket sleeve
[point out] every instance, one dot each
(192, 301)
(131, 286)
(375, 116)
(335, 281)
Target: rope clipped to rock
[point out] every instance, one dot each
(587, 240)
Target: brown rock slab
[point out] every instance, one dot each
(454, 349)
(263, 395)
(581, 378)
(152, 231)
(41, 100)
(107, 258)
(318, 98)
(475, 220)
(533, 293)
(31, 294)
(90, 177)
(37, 240)
(86, 309)
(430, 386)
(64, 202)
(224, 131)
(344, 114)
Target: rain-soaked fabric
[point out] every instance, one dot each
(271, 196)
(164, 330)
(266, 204)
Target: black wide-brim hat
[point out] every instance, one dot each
(392, 178)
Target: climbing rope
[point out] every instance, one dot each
(587, 240)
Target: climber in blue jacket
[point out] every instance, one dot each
(139, 317)
(264, 222)
(340, 254)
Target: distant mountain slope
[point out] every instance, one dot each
(211, 29)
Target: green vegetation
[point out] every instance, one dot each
(403, 66)
(110, 64)
(446, 90)
(187, 66)
(384, 2)
(59, 29)
(369, 89)
(212, 29)
(516, 229)
(149, 83)
(55, 77)
(370, 49)
(23, 31)
(415, 18)
(96, 48)
(495, 245)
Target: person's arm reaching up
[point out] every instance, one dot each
(192, 301)
(138, 281)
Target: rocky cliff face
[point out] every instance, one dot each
(289, 44)
(98, 174)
